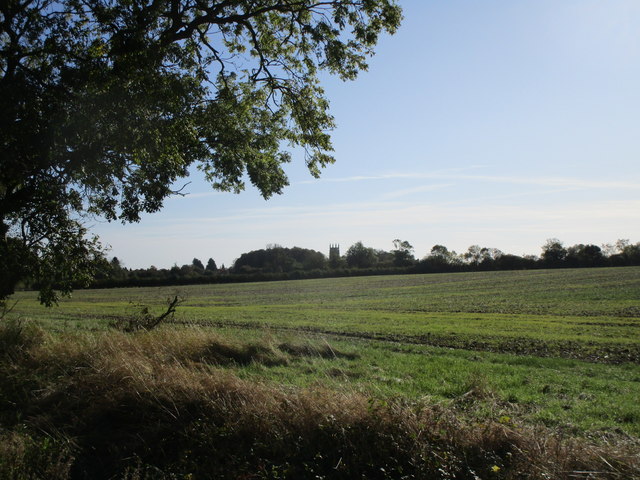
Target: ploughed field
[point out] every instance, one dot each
(557, 350)
(523, 330)
(590, 314)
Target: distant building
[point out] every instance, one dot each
(334, 253)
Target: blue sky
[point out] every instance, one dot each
(491, 122)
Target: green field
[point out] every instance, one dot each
(559, 348)
(592, 314)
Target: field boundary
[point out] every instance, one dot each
(590, 352)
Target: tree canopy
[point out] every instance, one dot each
(402, 253)
(276, 259)
(359, 256)
(106, 104)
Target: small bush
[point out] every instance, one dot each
(16, 337)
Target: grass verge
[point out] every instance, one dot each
(167, 404)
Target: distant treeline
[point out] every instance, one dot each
(280, 263)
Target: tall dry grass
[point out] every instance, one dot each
(163, 404)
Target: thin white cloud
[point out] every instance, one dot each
(554, 181)
(358, 215)
(540, 181)
(420, 189)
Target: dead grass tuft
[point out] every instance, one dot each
(18, 337)
(26, 457)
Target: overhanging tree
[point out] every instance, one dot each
(105, 104)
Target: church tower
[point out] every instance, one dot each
(334, 253)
